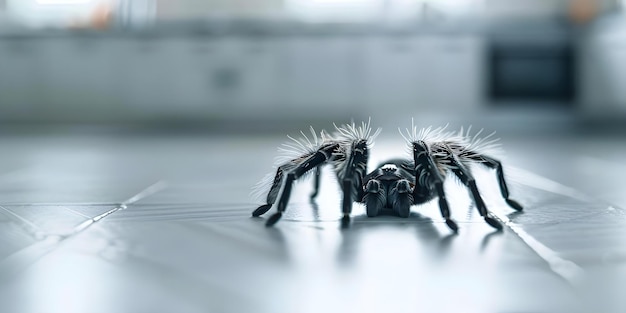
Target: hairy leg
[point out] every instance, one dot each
(311, 162)
(468, 180)
(427, 174)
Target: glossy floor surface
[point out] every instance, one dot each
(112, 223)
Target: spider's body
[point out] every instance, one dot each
(396, 184)
(383, 186)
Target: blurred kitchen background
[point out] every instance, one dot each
(132, 131)
(252, 63)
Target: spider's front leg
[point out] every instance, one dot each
(427, 174)
(273, 193)
(352, 176)
(316, 159)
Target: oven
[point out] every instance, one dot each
(531, 73)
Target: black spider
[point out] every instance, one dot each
(396, 184)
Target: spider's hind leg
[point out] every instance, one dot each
(504, 190)
(468, 180)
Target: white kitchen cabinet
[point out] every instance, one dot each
(395, 73)
(151, 74)
(80, 77)
(414, 72)
(195, 76)
(603, 74)
(323, 75)
(241, 76)
(454, 69)
(594, 86)
(176, 77)
(217, 70)
(20, 77)
(260, 76)
(198, 59)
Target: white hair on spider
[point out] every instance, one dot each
(290, 154)
(429, 134)
(476, 144)
(353, 132)
(296, 147)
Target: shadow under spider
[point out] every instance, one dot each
(438, 243)
(423, 227)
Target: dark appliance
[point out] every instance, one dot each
(526, 73)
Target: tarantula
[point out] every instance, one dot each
(396, 184)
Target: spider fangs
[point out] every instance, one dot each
(396, 184)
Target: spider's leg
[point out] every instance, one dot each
(504, 190)
(468, 180)
(322, 155)
(427, 174)
(273, 193)
(375, 197)
(352, 179)
(316, 182)
(401, 197)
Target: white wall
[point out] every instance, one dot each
(534, 8)
(525, 8)
(175, 9)
(367, 9)
(32, 13)
(63, 13)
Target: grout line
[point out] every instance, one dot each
(84, 225)
(76, 212)
(38, 250)
(33, 229)
(152, 189)
(567, 269)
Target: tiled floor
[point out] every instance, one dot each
(103, 223)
